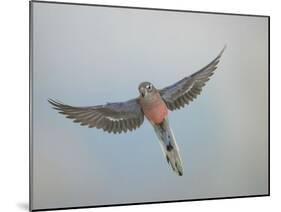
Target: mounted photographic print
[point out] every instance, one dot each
(139, 105)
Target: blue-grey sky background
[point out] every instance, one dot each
(92, 55)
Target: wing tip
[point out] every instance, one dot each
(217, 60)
(55, 103)
(222, 51)
(52, 101)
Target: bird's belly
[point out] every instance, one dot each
(156, 113)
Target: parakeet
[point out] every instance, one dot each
(151, 103)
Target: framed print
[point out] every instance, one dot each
(142, 105)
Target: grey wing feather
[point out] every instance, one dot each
(112, 117)
(186, 90)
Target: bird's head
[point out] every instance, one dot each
(146, 89)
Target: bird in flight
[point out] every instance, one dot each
(152, 103)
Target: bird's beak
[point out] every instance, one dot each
(143, 92)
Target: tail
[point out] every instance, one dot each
(169, 146)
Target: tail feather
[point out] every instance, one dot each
(169, 146)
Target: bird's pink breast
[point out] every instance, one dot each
(156, 112)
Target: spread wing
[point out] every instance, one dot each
(186, 90)
(112, 117)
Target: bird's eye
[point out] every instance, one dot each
(149, 87)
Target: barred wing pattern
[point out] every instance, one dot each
(112, 117)
(186, 90)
